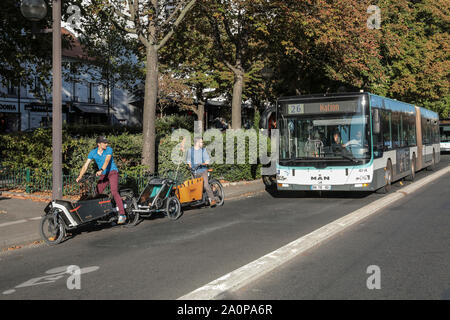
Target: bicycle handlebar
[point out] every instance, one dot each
(87, 177)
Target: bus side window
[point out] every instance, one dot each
(410, 127)
(396, 130)
(436, 131)
(377, 134)
(426, 130)
(386, 129)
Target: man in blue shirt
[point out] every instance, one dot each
(108, 173)
(197, 158)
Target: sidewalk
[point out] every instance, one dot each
(20, 217)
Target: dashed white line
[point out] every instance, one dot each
(6, 224)
(12, 222)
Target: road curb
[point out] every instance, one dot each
(248, 273)
(42, 198)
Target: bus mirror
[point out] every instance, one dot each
(376, 121)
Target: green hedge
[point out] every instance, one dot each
(34, 151)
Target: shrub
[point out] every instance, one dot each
(33, 150)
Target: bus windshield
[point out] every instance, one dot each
(325, 137)
(445, 132)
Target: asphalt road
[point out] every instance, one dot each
(406, 245)
(162, 259)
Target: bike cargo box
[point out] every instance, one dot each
(92, 209)
(190, 190)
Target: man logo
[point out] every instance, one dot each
(321, 178)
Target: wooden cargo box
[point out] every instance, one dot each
(190, 190)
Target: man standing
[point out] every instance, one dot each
(197, 158)
(108, 173)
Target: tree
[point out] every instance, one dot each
(108, 49)
(153, 23)
(192, 57)
(323, 46)
(173, 91)
(21, 51)
(235, 26)
(416, 52)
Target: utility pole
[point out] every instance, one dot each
(57, 102)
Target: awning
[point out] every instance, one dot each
(89, 108)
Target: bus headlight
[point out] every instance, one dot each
(361, 185)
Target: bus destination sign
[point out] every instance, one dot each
(322, 107)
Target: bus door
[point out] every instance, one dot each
(403, 160)
(427, 137)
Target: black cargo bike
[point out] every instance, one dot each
(62, 216)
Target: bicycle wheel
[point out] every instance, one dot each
(50, 232)
(217, 190)
(173, 208)
(130, 203)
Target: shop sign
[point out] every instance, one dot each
(8, 107)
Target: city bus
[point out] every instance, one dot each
(444, 132)
(352, 142)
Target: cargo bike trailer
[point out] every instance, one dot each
(170, 195)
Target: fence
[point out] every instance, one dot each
(30, 181)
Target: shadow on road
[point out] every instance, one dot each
(317, 194)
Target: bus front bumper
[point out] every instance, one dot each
(347, 187)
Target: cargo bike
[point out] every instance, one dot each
(170, 193)
(62, 216)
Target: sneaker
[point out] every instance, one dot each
(122, 219)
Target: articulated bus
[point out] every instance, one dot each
(352, 142)
(444, 130)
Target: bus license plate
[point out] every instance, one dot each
(321, 187)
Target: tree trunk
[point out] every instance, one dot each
(236, 106)
(200, 112)
(150, 99)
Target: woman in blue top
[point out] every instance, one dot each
(109, 174)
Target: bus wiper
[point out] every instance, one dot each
(349, 158)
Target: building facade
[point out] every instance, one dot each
(85, 99)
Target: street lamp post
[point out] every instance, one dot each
(36, 10)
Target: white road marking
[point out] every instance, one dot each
(6, 224)
(51, 276)
(260, 267)
(12, 222)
